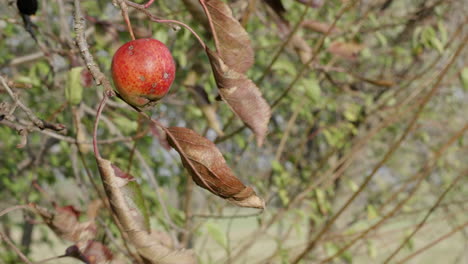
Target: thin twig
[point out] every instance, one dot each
(96, 124)
(210, 22)
(41, 124)
(311, 245)
(124, 8)
(14, 248)
(79, 26)
(427, 168)
(148, 4)
(283, 45)
(433, 243)
(142, 8)
(13, 208)
(423, 221)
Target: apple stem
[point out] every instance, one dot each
(210, 22)
(149, 3)
(124, 8)
(169, 21)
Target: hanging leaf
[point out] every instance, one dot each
(64, 222)
(74, 87)
(125, 197)
(234, 56)
(242, 96)
(233, 45)
(128, 205)
(209, 170)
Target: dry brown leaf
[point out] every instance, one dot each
(319, 27)
(123, 198)
(127, 205)
(242, 96)
(209, 169)
(233, 58)
(234, 45)
(64, 222)
(348, 50)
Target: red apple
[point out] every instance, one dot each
(143, 71)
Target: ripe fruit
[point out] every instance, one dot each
(143, 71)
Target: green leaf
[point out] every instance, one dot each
(442, 32)
(331, 248)
(126, 125)
(464, 78)
(216, 233)
(382, 39)
(371, 212)
(286, 66)
(353, 186)
(437, 44)
(410, 243)
(320, 196)
(312, 88)
(351, 112)
(283, 195)
(371, 250)
(276, 166)
(74, 88)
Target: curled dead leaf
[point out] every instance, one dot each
(64, 222)
(208, 168)
(128, 205)
(234, 45)
(242, 96)
(125, 197)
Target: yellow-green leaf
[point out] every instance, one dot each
(464, 78)
(74, 88)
